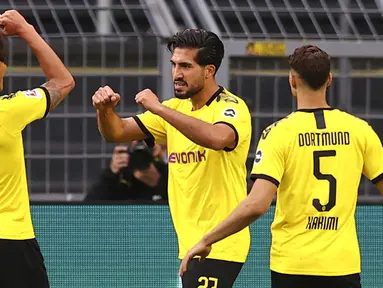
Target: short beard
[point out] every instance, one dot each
(189, 94)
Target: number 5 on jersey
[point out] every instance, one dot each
(330, 178)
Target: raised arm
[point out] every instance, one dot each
(213, 136)
(60, 81)
(110, 125)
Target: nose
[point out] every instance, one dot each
(177, 73)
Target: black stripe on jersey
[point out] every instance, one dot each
(150, 139)
(377, 179)
(48, 98)
(319, 119)
(215, 95)
(264, 177)
(235, 132)
(315, 109)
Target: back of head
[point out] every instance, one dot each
(210, 47)
(312, 64)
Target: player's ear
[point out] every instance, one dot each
(209, 71)
(292, 80)
(293, 84)
(329, 80)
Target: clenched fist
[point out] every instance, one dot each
(148, 100)
(12, 23)
(105, 98)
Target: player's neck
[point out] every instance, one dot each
(200, 99)
(312, 100)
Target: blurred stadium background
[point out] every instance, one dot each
(122, 43)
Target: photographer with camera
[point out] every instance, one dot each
(134, 174)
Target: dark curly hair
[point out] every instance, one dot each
(312, 64)
(210, 47)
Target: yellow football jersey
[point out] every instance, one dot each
(205, 185)
(16, 111)
(317, 158)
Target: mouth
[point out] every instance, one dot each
(179, 85)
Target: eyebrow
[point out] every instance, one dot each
(182, 63)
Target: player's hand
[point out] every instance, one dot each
(148, 100)
(105, 98)
(13, 23)
(120, 159)
(200, 249)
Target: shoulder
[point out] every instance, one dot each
(231, 105)
(33, 93)
(11, 99)
(172, 102)
(7, 96)
(282, 126)
(229, 98)
(353, 122)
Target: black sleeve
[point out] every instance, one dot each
(48, 99)
(235, 132)
(149, 137)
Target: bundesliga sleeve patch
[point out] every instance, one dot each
(258, 157)
(32, 94)
(229, 112)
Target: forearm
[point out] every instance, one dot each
(239, 219)
(110, 125)
(59, 77)
(49, 61)
(198, 131)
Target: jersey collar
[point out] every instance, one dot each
(215, 95)
(313, 110)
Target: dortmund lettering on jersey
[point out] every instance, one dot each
(316, 157)
(205, 185)
(16, 111)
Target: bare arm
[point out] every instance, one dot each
(254, 206)
(211, 136)
(60, 81)
(110, 125)
(115, 129)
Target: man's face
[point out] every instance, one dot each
(188, 76)
(3, 70)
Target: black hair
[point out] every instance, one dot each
(312, 64)
(210, 47)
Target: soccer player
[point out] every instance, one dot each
(313, 160)
(21, 262)
(208, 132)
